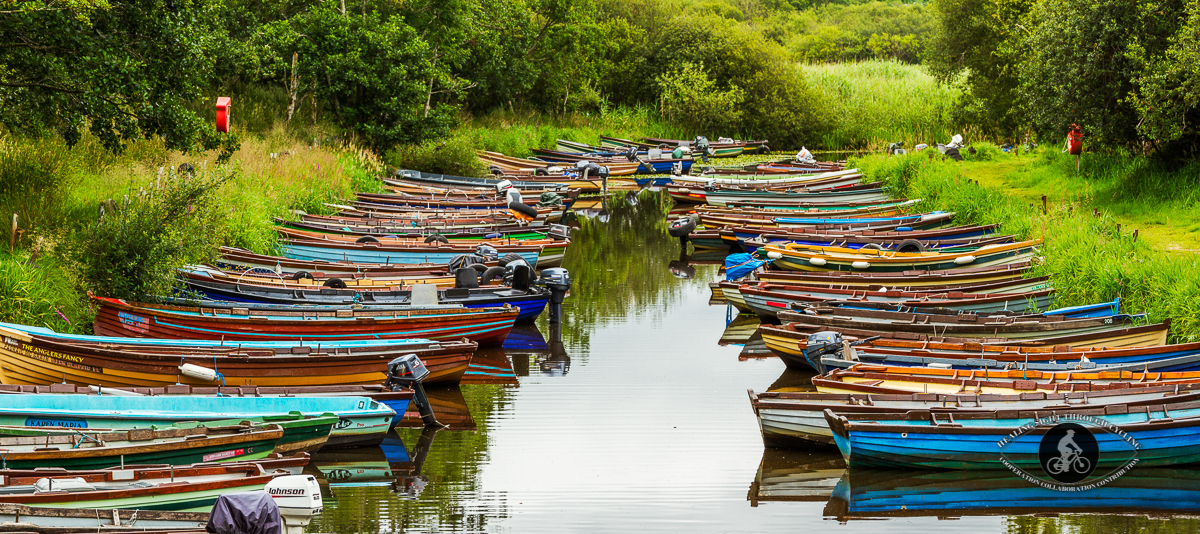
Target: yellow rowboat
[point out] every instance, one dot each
(801, 257)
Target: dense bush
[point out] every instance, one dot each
(454, 156)
(871, 30)
(692, 101)
(133, 249)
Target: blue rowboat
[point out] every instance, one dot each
(361, 420)
(531, 301)
(966, 352)
(1103, 309)
(1152, 436)
(815, 221)
(865, 493)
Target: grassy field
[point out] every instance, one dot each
(56, 193)
(874, 103)
(1089, 250)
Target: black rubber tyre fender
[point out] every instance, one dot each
(872, 246)
(495, 171)
(523, 209)
(508, 258)
(479, 267)
(335, 283)
(437, 237)
(541, 171)
(491, 274)
(367, 239)
(302, 274)
(911, 245)
(764, 149)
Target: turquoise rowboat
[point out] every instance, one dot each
(322, 251)
(360, 420)
(1150, 436)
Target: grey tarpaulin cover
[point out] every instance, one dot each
(250, 512)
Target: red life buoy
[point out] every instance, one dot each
(223, 114)
(1074, 141)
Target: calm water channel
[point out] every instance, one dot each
(635, 418)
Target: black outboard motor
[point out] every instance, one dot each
(466, 278)
(522, 275)
(700, 144)
(487, 251)
(821, 344)
(407, 372)
(558, 281)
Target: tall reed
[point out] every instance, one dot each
(873, 103)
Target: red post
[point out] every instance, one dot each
(223, 114)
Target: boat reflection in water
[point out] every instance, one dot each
(741, 330)
(788, 475)
(388, 465)
(528, 349)
(448, 405)
(869, 493)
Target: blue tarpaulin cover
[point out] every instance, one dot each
(740, 265)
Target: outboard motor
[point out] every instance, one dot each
(407, 372)
(632, 154)
(821, 344)
(466, 278)
(298, 498)
(701, 144)
(487, 251)
(558, 281)
(522, 275)
(560, 231)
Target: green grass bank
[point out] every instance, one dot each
(1090, 249)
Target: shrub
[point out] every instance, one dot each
(133, 250)
(454, 155)
(691, 100)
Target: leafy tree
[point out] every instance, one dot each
(371, 71)
(1167, 92)
(122, 69)
(973, 45)
(690, 99)
(1084, 60)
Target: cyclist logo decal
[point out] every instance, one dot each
(1068, 453)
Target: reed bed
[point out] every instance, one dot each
(874, 103)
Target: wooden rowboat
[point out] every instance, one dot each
(797, 257)
(797, 419)
(185, 488)
(265, 322)
(175, 446)
(354, 420)
(530, 302)
(871, 494)
(39, 356)
(1167, 435)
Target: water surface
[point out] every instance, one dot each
(631, 417)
